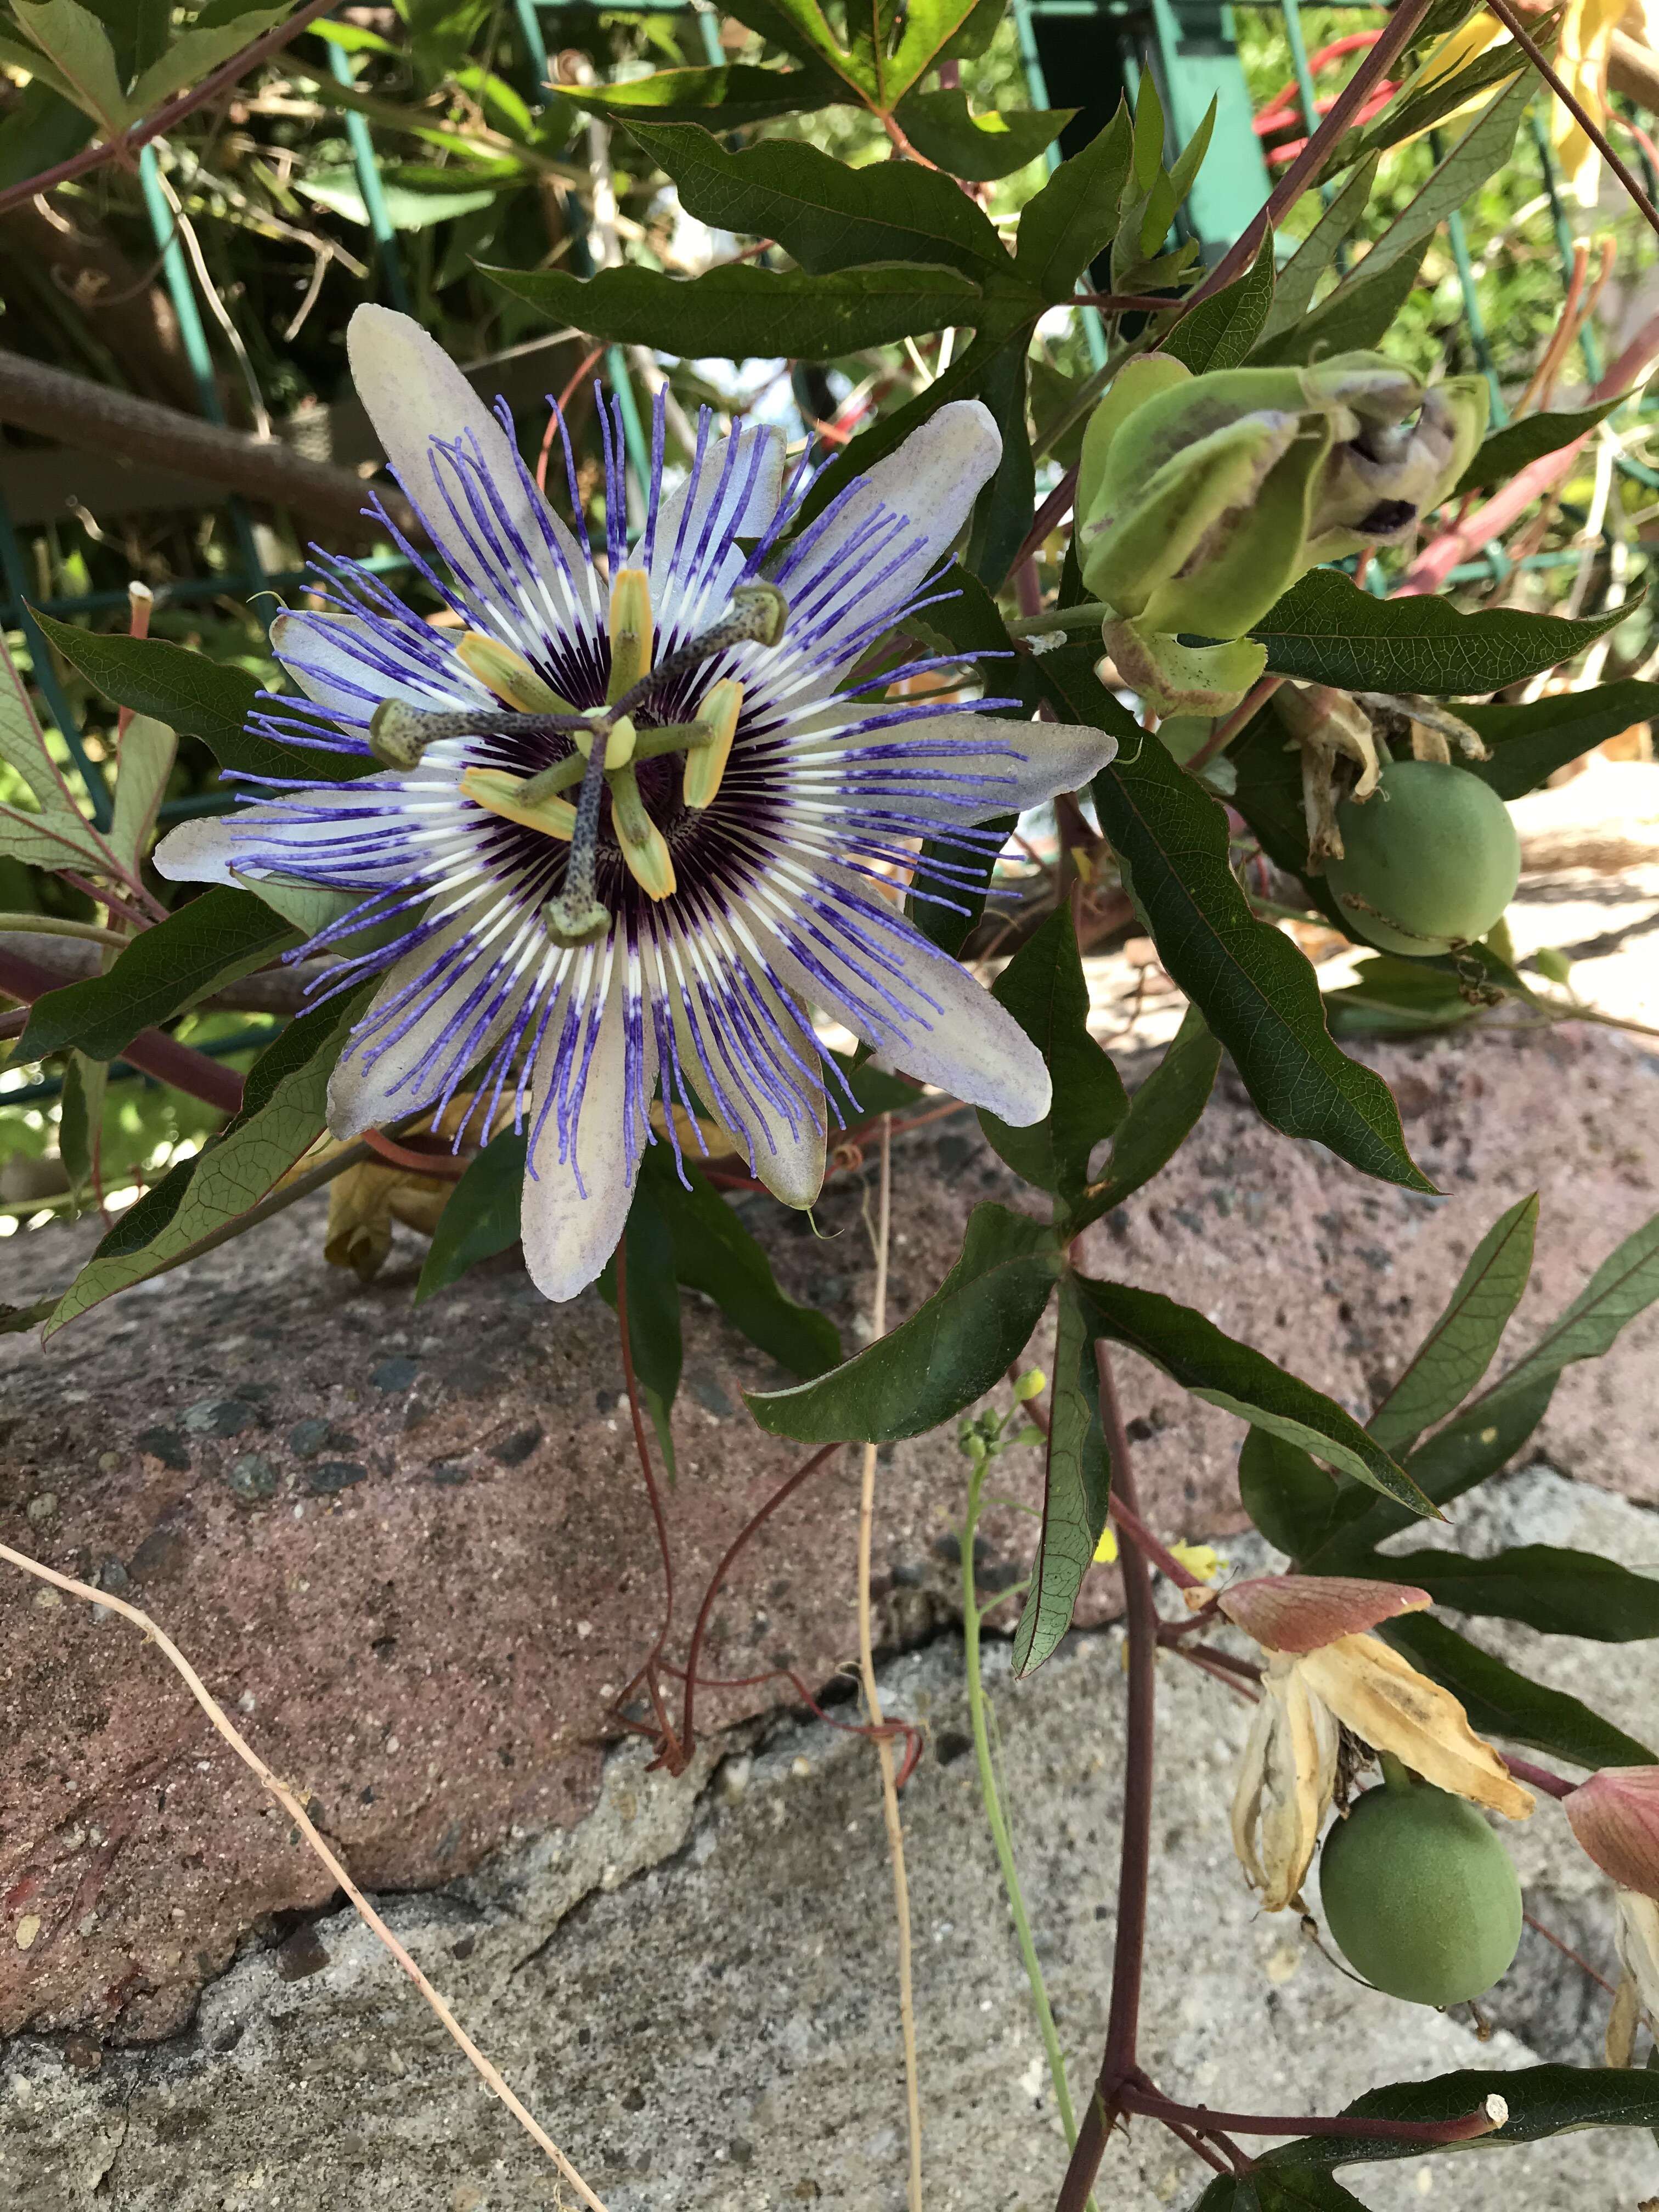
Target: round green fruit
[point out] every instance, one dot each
(1420, 1895)
(1431, 860)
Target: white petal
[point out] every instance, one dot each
(785, 1148)
(956, 769)
(570, 1227)
(695, 554)
(208, 851)
(380, 1080)
(947, 1028)
(931, 481)
(328, 656)
(414, 393)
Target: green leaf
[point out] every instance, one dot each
(1458, 1350)
(481, 1216)
(1325, 630)
(1508, 451)
(56, 835)
(1290, 1498)
(1193, 1352)
(81, 1119)
(1411, 112)
(726, 97)
(1077, 1485)
(714, 1252)
(83, 62)
(1221, 332)
(1529, 743)
(1002, 512)
(1501, 1702)
(1542, 2100)
(1298, 280)
(1042, 988)
(411, 203)
(1483, 149)
(1355, 318)
(829, 216)
(1257, 991)
(1074, 217)
(199, 697)
(285, 1111)
(1466, 1453)
(743, 313)
(217, 936)
(1263, 2190)
(1625, 1285)
(655, 1342)
(941, 127)
(148, 750)
(196, 54)
(1559, 1591)
(934, 31)
(1162, 1113)
(952, 1351)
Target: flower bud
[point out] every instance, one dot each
(1378, 482)
(1031, 1384)
(1615, 1816)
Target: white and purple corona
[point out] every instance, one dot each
(634, 814)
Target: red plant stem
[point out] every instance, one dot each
(724, 1569)
(152, 1052)
(1134, 1863)
(1567, 1952)
(1143, 1540)
(1243, 714)
(127, 143)
(440, 1163)
(1442, 554)
(1465, 2128)
(1401, 25)
(1539, 1778)
(673, 1754)
(1575, 107)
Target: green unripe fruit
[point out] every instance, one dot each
(1430, 860)
(1420, 1895)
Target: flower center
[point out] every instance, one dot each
(605, 744)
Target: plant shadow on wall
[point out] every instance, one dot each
(645, 770)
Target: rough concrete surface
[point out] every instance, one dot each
(408, 1549)
(696, 1991)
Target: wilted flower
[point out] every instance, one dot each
(1201, 499)
(634, 814)
(1615, 1816)
(1325, 1672)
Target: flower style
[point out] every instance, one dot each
(1615, 1817)
(1325, 1671)
(631, 819)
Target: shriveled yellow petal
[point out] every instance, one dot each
(1636, 1937)
(1381, 1696)
(1622, 2021)
(700, 1136)
(1286, 1784)
(365, 1201)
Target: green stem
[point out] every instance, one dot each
(1394, 1771)
(997, 1820)
(1089, 616)
(48, 925)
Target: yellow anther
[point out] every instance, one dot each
(705, 764)
(496, 790)
(509, 675)
(642, 845)
(633, 631)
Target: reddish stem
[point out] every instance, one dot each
(1539, 1778)
(1575, 107)
(1143, 1540)
(440, 1163)
(127, 143)
(152, 1052)
(1134, 1865)
(721, 1571)
(1567, 1952)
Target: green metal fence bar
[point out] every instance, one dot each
(182, 291)
(46, 671)
(360, 140)
(1036, 87)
